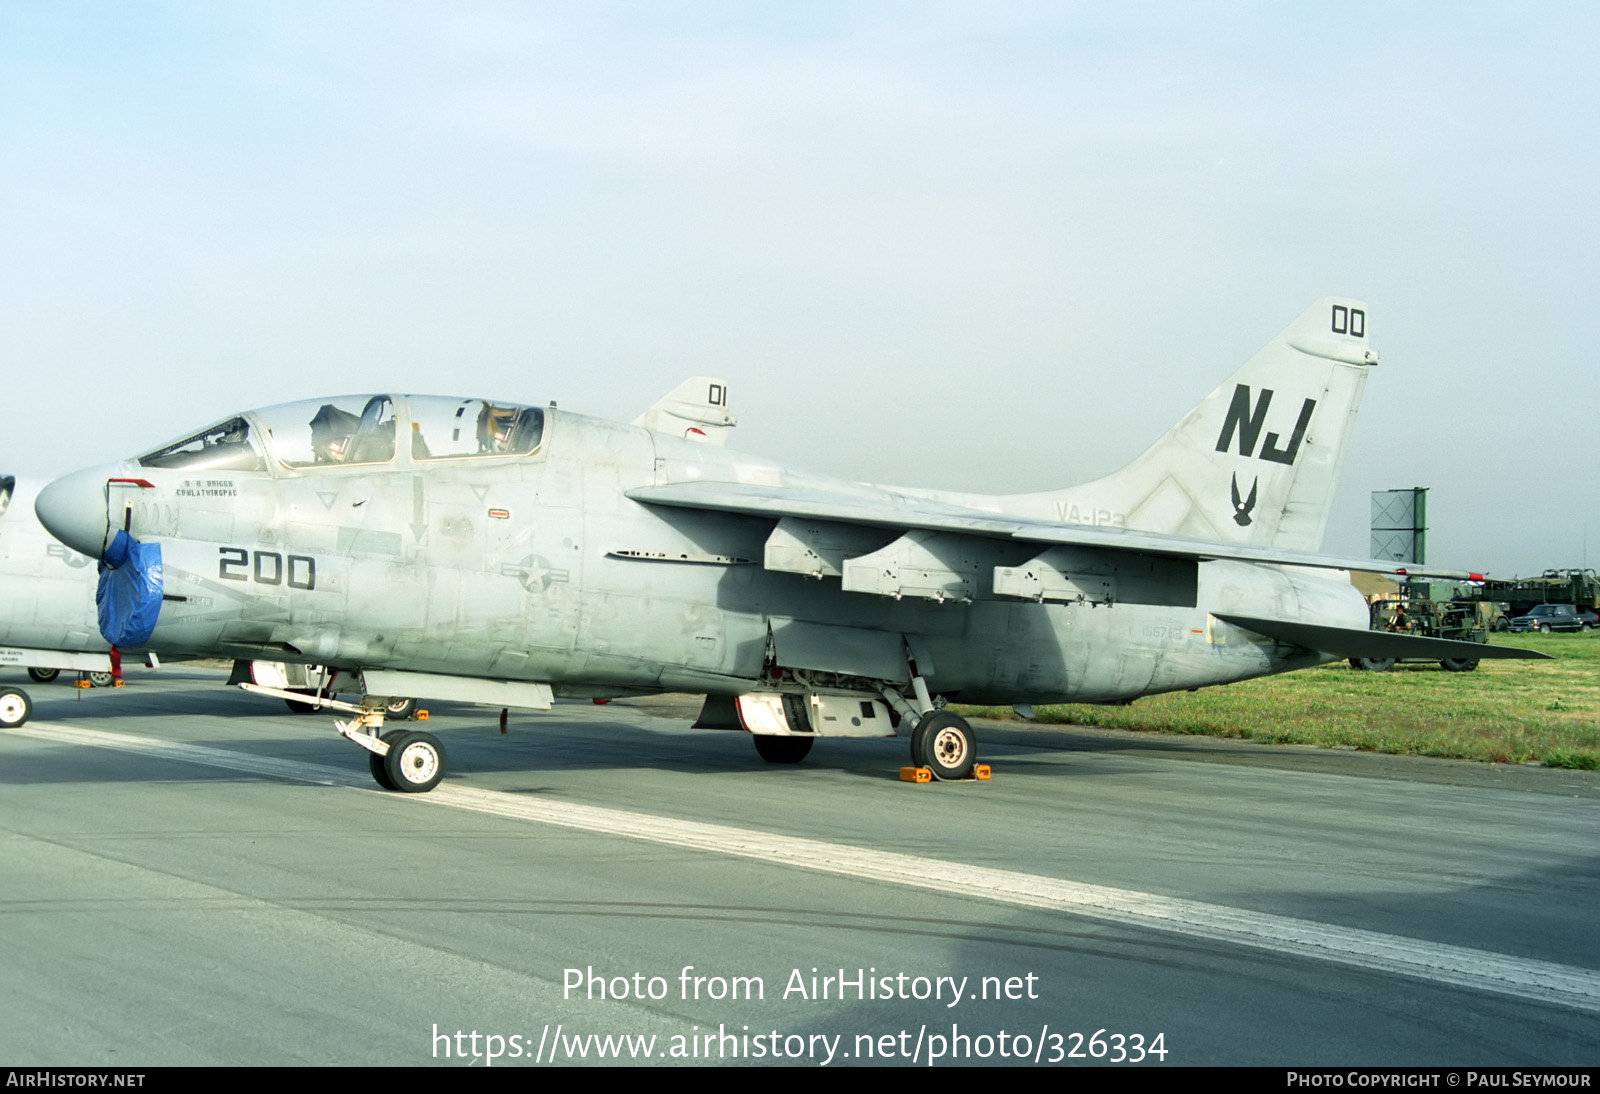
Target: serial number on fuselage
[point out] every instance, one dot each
(266, 568)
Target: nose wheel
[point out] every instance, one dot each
(407, 761)
(414, 763)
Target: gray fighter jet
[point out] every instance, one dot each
(47, 610)
(470, 549)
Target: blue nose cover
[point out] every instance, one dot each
(129, 593)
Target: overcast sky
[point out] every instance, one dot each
(991, 247)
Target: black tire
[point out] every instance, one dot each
(399, 710)
(945, 744)
(15, 706)
(1372, 664)
(375, 762)
(380, 773)
(415, 762)
(1544, 628)
(1460, 664)
(299, 707)
(782, 750)
(43, 676)
(100, 679)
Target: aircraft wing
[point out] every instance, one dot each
(884, 508)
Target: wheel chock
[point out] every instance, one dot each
(420, 716)
(980, 772)
(82, 684)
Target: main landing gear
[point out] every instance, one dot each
(796, 707)
(945, 744)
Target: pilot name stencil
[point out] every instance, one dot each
(207, 488)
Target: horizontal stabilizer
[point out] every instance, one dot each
(1356, 642)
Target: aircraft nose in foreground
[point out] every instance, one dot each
(73, 509)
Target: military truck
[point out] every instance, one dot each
(1580, 589)
(1430, 610)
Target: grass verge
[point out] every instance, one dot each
(1505, 712)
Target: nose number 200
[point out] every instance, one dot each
(267, 568)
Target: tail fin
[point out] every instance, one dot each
(1256, 462)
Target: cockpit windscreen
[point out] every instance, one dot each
(226, 446)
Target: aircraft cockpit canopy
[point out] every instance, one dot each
(444, 428)
(226, 446)
(350, 429)
(357, 429)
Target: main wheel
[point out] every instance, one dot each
(44, 676)
(782, 750)
(14, 707)
(415, 762)
(1459, 664)
(100, 679)
(301, 708)
(399, 709)
(944, 743)
(1372, 664)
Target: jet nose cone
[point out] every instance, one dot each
(73, 509)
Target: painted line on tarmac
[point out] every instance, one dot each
(1478, 970)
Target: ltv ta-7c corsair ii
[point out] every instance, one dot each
(476, 550)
